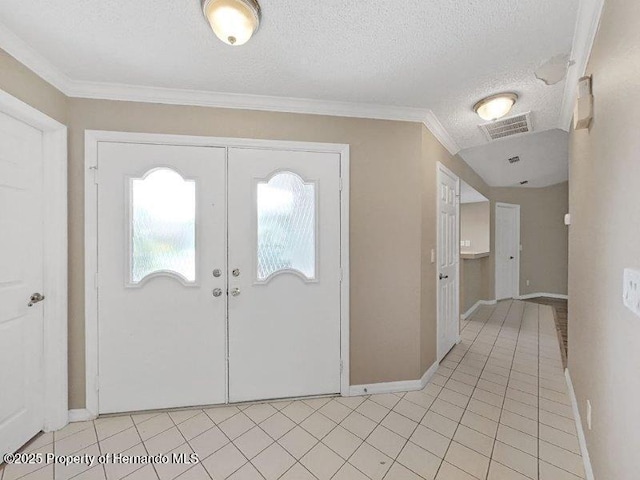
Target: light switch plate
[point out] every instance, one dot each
(631, 290)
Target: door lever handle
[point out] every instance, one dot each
(442, 277)
(235, 292)
(35, 298)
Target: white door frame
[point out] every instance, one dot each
(495, 234)
(91, 140)
(54, 135)
(440, 167)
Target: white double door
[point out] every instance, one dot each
(218, 275)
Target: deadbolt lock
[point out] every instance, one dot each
(236, 272)
(217, 273)
(217, 292)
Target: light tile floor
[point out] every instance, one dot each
(496, 409)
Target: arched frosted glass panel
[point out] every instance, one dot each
(163, 211)
(286, 226)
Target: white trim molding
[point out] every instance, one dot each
(588, 470)
(54, 136)
(442, 135)
(80, 415)
(475, 306)
(541, 294)
(94, 137)
(587, 23)
(25, 54)
(394, 387)
(21, 51)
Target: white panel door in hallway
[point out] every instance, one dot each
(507, 251)
(284, 259)
(161, 286)
(21, 276)
(448, 260)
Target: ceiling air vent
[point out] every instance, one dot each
(507, 127)
(513, 160)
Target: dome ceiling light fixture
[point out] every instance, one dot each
(233, 21)
(496, 106)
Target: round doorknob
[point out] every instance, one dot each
(217, 292)
(235, 292)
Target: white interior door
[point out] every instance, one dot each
(284, 259)
(21, 276)
(507, 251)
(161, 257)
(448, 260)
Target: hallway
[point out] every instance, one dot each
(496, 409)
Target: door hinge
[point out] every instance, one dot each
(95, 280)
(341, 184)
(97, 383)
(95, 173)
(341, 366)
(341, 275)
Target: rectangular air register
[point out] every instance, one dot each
(507, 127)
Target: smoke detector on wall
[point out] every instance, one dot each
(507, 127)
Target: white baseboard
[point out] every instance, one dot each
(475, 306)
(548, 295)
(394, 387)
(588, 470)
(80, 415)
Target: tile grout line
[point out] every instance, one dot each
(477, 347)
(538, 365)
(505, 396)
(186, 442)
(479, 375)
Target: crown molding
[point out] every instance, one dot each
(171, 96)
(29, 57)
(21, 51)
(589, 14)
(433, 124)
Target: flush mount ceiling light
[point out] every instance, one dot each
(495, 106)
(233, 21)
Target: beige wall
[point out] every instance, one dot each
(475, 226)
(604, 238)
(386, 193)
(543, 236)
(22, 83)
(385, 218)
(393, 214)
(473, 282)
(475, 219)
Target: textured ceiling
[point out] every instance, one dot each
(543, 161)
(437, 54)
